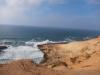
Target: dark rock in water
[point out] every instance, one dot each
(3, 47)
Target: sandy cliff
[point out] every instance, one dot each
(74, 55)
(74, 58)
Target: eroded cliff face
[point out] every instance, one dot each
(72, 55)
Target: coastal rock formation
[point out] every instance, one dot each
(61, 56)
(3, 47)
(74, 58)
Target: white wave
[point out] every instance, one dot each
(24, 52)
(11, 42)
(86, 38)
(29, 51)
(33, 43)
(69, 40)
(6, 41)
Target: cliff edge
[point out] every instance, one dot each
(73, 55)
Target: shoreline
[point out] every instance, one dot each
(73, 58)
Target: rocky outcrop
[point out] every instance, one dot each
(3, 47)
(68, 55)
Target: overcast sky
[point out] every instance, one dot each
(83, 14)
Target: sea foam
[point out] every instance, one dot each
(29, 51)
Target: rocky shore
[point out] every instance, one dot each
(68, 55)
(74, 58)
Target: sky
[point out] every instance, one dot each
(80, 14)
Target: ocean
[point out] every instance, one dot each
(23, 40)
(26, 33)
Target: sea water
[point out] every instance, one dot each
(23, 41)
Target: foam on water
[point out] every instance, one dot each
(24, 50)
(29, 51)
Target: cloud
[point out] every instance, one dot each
(94, 2)
(23, 12)
(12, 10)
(56, 1)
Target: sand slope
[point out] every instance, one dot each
(25, 67)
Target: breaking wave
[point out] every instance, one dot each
(27, 51)
(18, 50)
